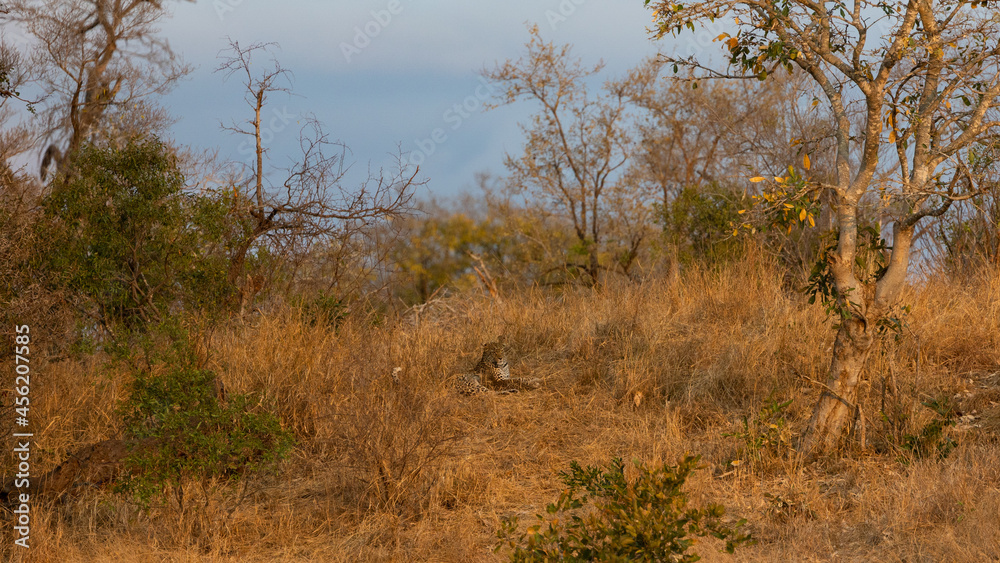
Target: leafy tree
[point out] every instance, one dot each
(698, 223)
(446, 248)
(925, 76)
(695, 140)
(126, 240)
(713, 133)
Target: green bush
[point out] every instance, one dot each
(324, 309)
(127, 242)
(614, 519)
(699, 223)
(440, 249)
(182, 431)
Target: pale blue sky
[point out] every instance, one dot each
(395, 84)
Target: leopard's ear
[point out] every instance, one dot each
(502, 339)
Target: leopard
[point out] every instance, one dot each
(492, 374)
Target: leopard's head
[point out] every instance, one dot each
(495, 358)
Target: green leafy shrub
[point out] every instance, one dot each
(615, 519)
(127, 242)
(698, 222)
(443, 249)
(324, 309)
(182, 431)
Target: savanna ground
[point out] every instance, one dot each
(415, 472)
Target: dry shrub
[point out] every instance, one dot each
(24, 299)
(392, 441)
(72, 405)
(723, 338)
(282, 358)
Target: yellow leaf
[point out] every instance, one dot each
(802, 215)
(756, 179)
(812, 222)
(779, 179)
(892, 135)
(721, 37)
(733, 43)
(741, 211)
(789, 206)
(736, 462)
(805, 161)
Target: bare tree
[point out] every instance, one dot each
(684, 133)
(95, 58)
(925, 75)
(309, 205)
(577, 145)
(14, 139)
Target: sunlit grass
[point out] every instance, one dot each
(650, 371)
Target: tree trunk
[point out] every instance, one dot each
(593, 266)
(838, 403)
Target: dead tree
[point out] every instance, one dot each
(312, 204)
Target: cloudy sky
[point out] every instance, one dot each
(386, 73)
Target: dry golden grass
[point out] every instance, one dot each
(414, 472)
